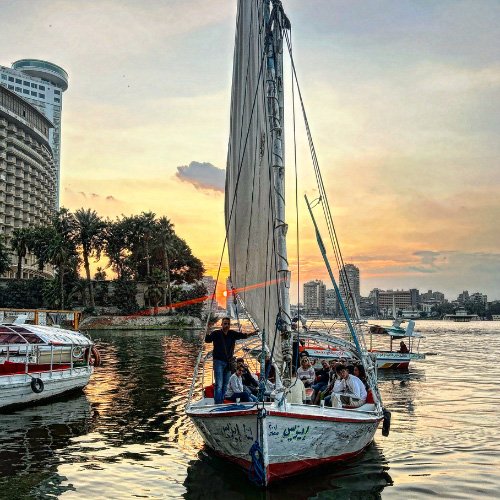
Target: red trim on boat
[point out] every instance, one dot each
(283, 470)
(286, 414)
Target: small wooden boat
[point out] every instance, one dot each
(392, 358)
(40, 362)
(273, 438)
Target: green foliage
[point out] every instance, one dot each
(444, 308)
(156, 286)
(124, 293)
(27, 294)
(21, 237)
(478, 308)
(4, 256)
(193, 292)
(493, 309)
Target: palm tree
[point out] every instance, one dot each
(89, 233)
(165, 230)
(21, 238)
(146, 226)
(59, 254)
(155, 288)
(61, 250)
(4, 256)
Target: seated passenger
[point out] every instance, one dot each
(355, 392)
(235, 388)
(359, 371)
(403, 348)
(332, 377)
(323, 375)
(297, 392)
(250, 380)
(306, 372)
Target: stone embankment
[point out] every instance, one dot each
(140, 322)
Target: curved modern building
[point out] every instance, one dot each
(42, 83)
(28, 172)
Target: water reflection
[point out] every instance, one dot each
(362, 478)
(128, 436)
(30, 443)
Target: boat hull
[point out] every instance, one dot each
(293, 441)
(16, 389)
(387, 360)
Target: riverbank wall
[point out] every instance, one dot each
(139, 322)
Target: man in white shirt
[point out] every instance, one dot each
(350, 388)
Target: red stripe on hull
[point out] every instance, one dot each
(276, 472)
(347, 420)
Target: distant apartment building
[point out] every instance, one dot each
(314, 297)
(463, 297)
(479, 298)
(386, 300)
(331, 302)
(436, 297)
(209, 283)
(349, 288)
(28, 173)
(42, 84)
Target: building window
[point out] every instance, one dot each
(26, 84)
(11, 79)
(41, 87)
(58, 92)
(18, 89)
(26, 91)
(4, 77)
(11, 87)
(33, 93)
(34, 85)
(18, 80)
(42, 96)
(56, 99)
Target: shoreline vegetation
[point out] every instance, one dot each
(153, 267)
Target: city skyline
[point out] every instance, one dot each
(403, 105)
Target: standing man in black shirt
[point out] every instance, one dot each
(223, 352)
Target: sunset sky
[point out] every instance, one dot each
(402, 97)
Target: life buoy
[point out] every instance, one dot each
(93, 357)
(77, 352)
(37, 385)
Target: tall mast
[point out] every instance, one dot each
(275, 22)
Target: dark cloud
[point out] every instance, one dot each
(202, 176)
(424, 269)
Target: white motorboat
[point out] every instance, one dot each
(273, 438)
(40, 362)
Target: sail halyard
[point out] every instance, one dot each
(254, 204)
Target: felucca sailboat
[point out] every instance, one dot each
(272, 438)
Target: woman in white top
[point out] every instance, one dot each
(235, 388)
(306, 372)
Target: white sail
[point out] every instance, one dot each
(249, 179)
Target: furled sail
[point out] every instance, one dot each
(249, 179)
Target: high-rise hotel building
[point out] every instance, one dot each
(28, 173)
(41, 83)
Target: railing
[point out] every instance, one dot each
(33, 355)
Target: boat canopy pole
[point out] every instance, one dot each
(275, 22)
(369, 369)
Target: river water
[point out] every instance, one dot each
(127, 436)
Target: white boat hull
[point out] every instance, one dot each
(293, 441)
(395, 359)
(16, 389)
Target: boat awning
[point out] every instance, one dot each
(36, 334)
